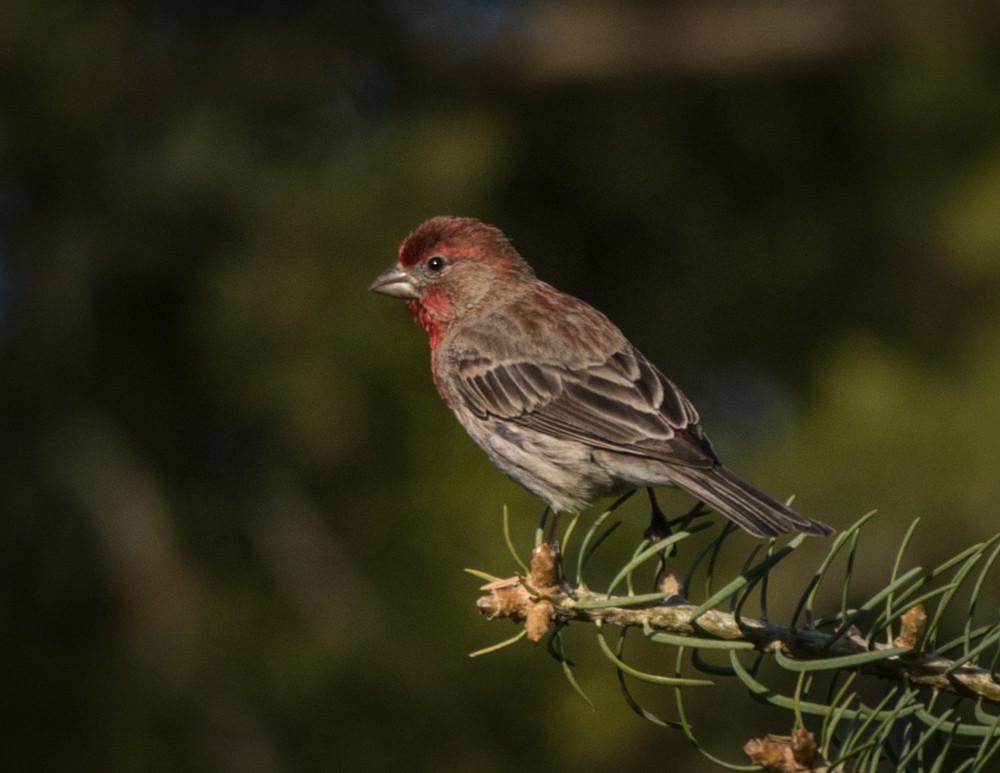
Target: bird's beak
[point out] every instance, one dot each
(395, 282)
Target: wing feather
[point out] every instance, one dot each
(610, 397)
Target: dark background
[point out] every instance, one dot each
(233, 511)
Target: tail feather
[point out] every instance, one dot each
(750, 508)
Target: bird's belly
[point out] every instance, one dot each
(562, 472)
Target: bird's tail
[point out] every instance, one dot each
(746, 505)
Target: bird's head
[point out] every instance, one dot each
(448, 267)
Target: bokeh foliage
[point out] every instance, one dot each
(234, 512)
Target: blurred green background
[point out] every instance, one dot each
(234, 512)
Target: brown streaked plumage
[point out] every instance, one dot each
(551, 390)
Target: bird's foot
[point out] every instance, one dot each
(659, 527)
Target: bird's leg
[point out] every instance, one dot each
(659, 528)
(550, 537)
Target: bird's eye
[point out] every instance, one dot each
(436, 263)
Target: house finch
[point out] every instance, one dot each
(551, 390)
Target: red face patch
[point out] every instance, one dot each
(432, 313)
(418, 244)
(447, 235)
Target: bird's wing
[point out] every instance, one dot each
(564, 382)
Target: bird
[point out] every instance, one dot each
(552, 390)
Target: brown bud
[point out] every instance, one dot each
(538, 620)
(912, 627)
(670, 583)
(794, 754)
(544, 566)
(506, 598)
(768, 752)
(804, 747)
